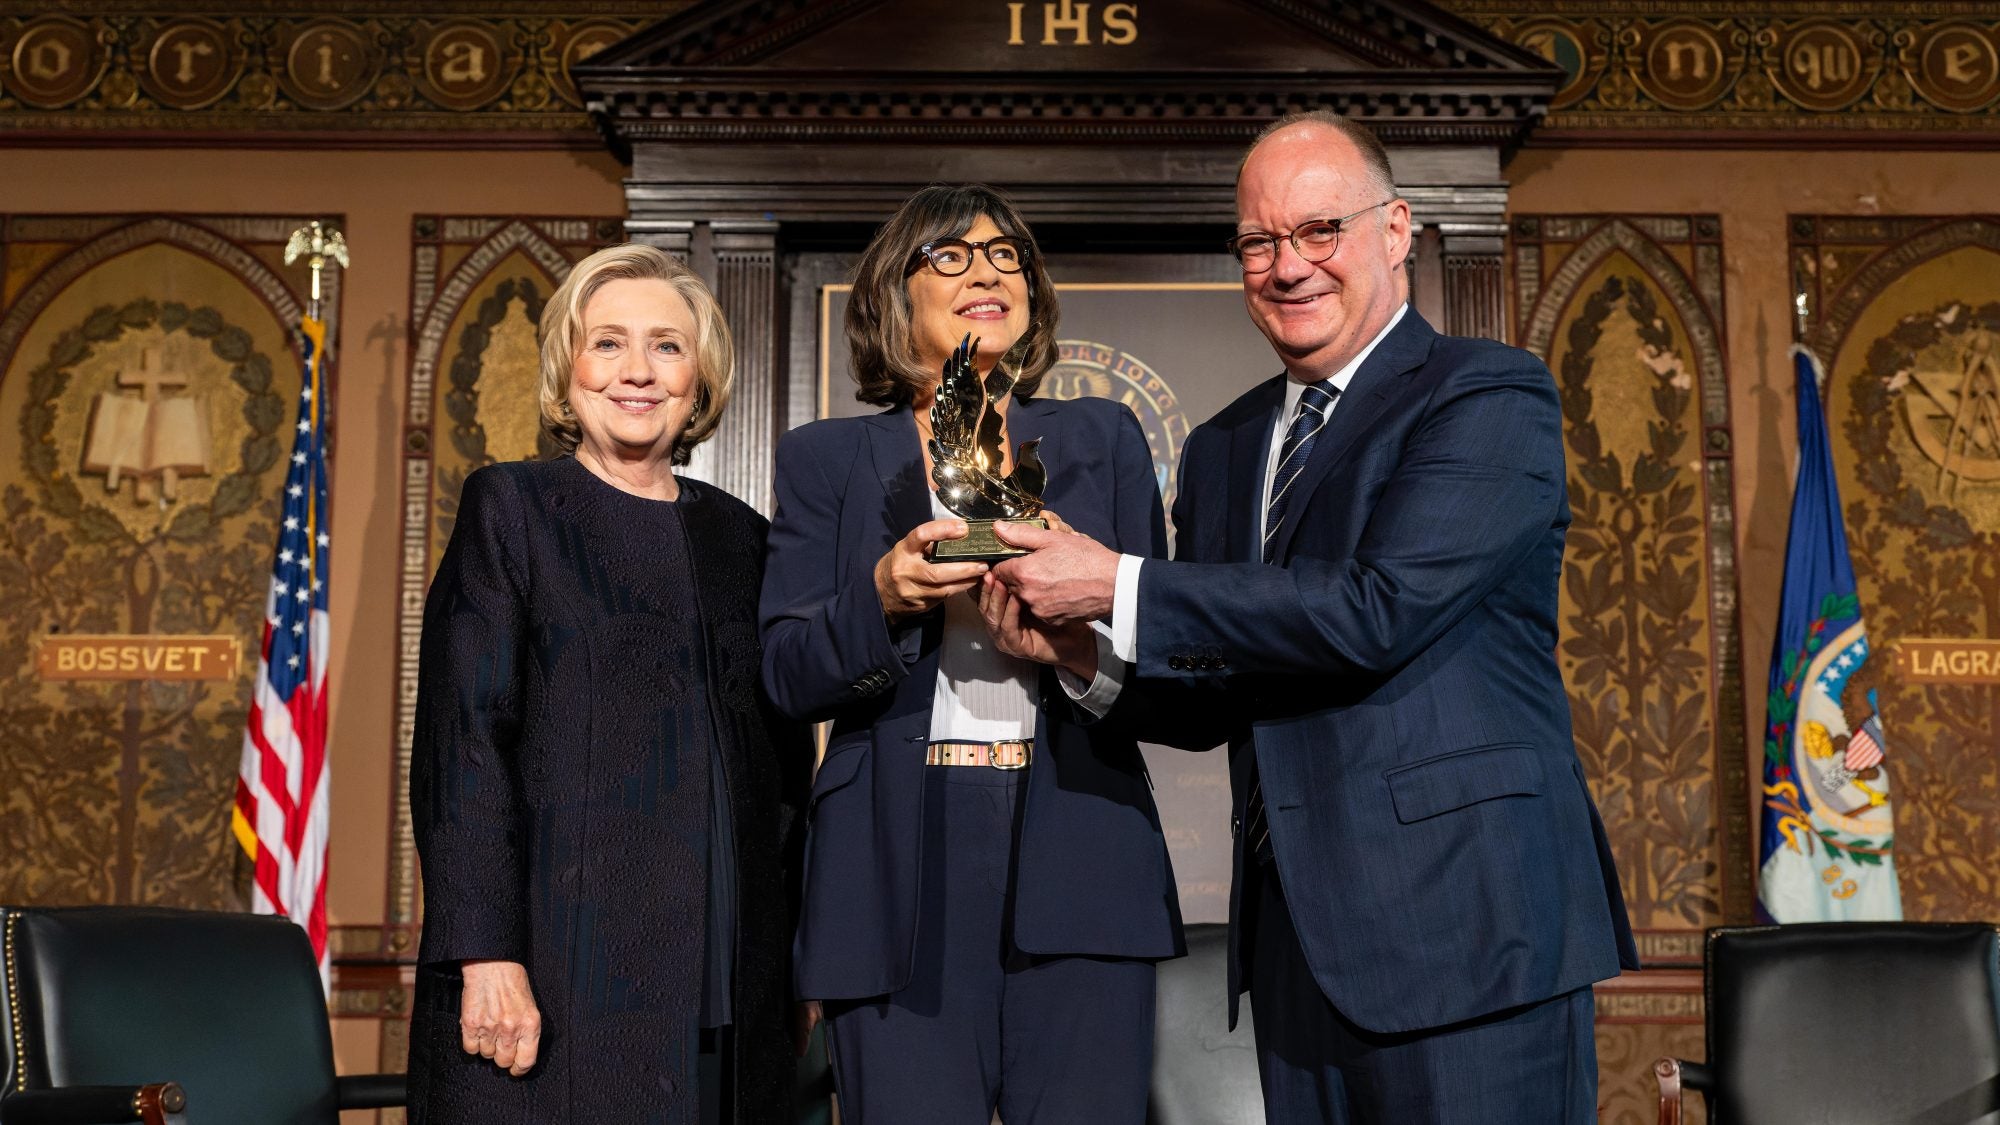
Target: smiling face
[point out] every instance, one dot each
(991, 305)
(634, 381)
(1319, 315)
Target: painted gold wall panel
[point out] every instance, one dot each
(472, 396)
(1906, 312)
(1625, 309)
(147, 378)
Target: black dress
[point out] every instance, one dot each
(589, 712)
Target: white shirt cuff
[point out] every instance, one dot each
(1125, 610)
(1101, 692)
(1115, 646)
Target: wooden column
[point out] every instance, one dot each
(1475, 283)
(675, 236)
(1456, 261)
(745, 255)
(738, 258)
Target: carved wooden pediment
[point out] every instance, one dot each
(994, 70)
(767, 137)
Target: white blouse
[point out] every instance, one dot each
(983, 695)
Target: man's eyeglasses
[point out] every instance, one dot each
(1314, 240)
(953, 256)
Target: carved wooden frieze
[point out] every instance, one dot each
(1631, 70)
(341, 67)
(1838, 73)
(1200, 71)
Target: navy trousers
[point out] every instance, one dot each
(1533, 1065)
(982, 1025)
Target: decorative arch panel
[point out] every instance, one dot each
(1905, 312)
(147, 375)
(477, 290)
(1627, 310)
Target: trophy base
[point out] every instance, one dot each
(980, 543)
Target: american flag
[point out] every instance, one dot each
(281, 810)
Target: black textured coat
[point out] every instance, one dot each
(560, 810)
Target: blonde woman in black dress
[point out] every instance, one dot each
(601, 797)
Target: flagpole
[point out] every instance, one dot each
(281, 816)
(317, 242)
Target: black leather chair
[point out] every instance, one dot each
(1203, 1073)
(123, 1014)
(1869, 1023)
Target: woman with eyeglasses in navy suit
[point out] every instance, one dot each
(987, 888)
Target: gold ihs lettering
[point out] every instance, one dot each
(1074, 17)
(1121, 24)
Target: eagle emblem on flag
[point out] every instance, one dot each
(1827, 852)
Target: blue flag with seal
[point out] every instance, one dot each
(1827, 853)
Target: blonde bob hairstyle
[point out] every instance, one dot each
(563, 330)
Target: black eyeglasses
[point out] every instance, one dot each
(1314, 240)
(953, 256)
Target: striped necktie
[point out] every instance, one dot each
(1314, 404)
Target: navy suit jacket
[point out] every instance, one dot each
(1092, 874)
(1395, 677)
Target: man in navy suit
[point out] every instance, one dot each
(1363, 604)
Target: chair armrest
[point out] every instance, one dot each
(371, 1091)
(94, 1105)
(1676, 1075)
(1668, 1072)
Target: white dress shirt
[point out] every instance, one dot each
(1118, 645)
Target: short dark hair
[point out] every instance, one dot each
(1373, 155)
(884, 359)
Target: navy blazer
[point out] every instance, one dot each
(1395, 677)
(1092, 874)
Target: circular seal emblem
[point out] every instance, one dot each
(1085, 368)
(465, 64)
(1958, 68)
(584, 40)
(1951, 400)
(191, 64)
(56, 61)
(1686, 66)
(1561, 43)
(329, 64)
(1823, 65)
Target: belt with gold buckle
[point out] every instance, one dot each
(1006, 754)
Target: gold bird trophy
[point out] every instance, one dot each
(966, 457)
